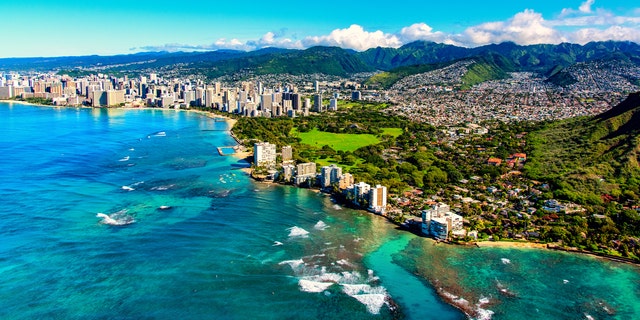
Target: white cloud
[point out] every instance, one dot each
(527, 27)
(422, 31)
(600, 18)
(354, 37)
(271, 39)
(616, 33)
(585, 7)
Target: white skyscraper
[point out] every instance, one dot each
(378, 199)
(264, 154)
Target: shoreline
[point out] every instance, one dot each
(243, 155)
(552, 247)
(510, 244)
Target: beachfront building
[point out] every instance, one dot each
(305, 172)
(438, 221)
(378, 199)
(264, 154)
(345, 181)
(115, 98)
(288, 171)
(360, 192)
(330, 175)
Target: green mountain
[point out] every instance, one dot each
(541, 58)
(387, 79)
(487, 67)
(337, 61)
(484, 68)
(589, 159)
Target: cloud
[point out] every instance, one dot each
(581, 25)
(271, 39)
(585, 7)
(354, 37)
(616, 33)
(527, 27)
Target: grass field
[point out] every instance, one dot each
(337, 141)
(330, 161)
(394, 132)
(345, 104)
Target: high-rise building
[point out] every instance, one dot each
(264, 154)
(360, 192)
(287, 153)
(317, 102)
(209, 97)
(345, 181)
(355, 95)
(378, 199)
(98, 98)
(330, 175)
(288, 171)
(266, 103)
(189, 97)
(296, 102)
(333, 104)
(305, 172)
(438, 221)
(306, 168)
(115, 97)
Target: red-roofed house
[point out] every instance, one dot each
(494, 162)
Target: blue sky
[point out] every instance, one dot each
(53, 28)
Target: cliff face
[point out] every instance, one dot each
(590, 157)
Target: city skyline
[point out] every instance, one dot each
(42, 28)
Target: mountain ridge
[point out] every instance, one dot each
(588, 157)
(539, 58)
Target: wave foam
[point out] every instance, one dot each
(374, 302)
(315, 278)
(297, 232)
(477, 311)
(294, 264)
(320, 225)
(484, 314)
(127, 188)
(163, 188)
(313, 286)
(119, 218)
(124, 159)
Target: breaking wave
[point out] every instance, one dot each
(320, 225)
(119, 218)
(297, 232)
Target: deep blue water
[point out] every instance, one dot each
(229, 248)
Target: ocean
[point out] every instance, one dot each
(193, 237)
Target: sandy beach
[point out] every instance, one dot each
(511, 244)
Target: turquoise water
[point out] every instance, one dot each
(205, 242)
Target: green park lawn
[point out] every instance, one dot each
(342, 141)
(337, 141)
